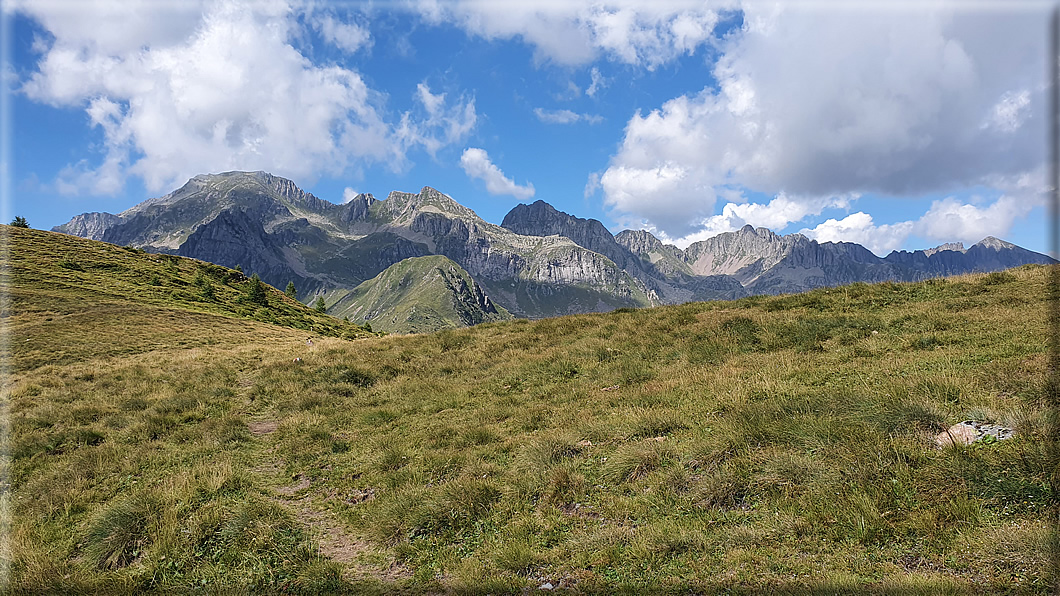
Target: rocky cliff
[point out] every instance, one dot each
(989, 254)
(89, 225)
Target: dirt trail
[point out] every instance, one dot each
(331, 537)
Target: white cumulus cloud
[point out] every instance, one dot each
(347, 36)
(947, 220)
(816, 103)
(477, 165)
(859, 227)
(776, 215)
(219, 88)
(578, 31)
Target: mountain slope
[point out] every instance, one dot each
(989, 254)
(89, 225)
(532, 276)
(669, 280)
(542, 219)
(418, 295)
(91, 286)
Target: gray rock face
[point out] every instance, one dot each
(766, 263)
(744, 254)
(271, 227)
(89, 225)
(658, 267)
(531, 276)
(235, 238)
(357, 209)
(542, 219)
(957, 246)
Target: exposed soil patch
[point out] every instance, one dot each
(263, 427)
(334, 542)
(293, 489)
(271, 468)
(339, 546)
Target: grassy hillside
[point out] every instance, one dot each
(418, 295)
(767, 444)
(80, 290)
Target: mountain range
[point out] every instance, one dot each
(365, 257)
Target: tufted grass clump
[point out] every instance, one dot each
(632, 462)
(122, 531)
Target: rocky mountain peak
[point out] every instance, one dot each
(639, 242)
(402, 206)
(995, 243)
(746, 253)
(89, 225)
(541, 219)
(954, 246)
(542, 262)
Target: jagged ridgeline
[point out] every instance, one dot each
(539, 262)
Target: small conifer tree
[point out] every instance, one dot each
(256, 291)
(19, 222)
(239, 268)
(320, 306)
(206, 289)
(291, 291)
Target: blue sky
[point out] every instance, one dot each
(899, 128)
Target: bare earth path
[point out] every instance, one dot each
(334, 542)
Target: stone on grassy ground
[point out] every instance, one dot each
(970, 431)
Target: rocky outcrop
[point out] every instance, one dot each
(542, 219)
(810, 264)
(356, 209)
(744, 254)
(532, 276)
(955, 246)
(89, 225)
(666, 259)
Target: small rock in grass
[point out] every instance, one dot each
(970, 431)
(546, 586)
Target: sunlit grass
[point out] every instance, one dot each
(767, 444)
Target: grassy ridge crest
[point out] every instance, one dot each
(60, 280)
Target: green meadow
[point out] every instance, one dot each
(165, 438)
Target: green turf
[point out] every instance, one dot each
(771, 444)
